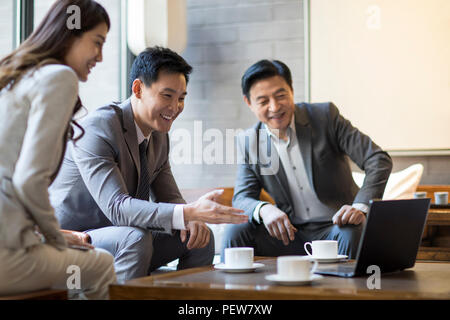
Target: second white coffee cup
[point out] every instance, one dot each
(441, 197)
(239, 257)
(295, 267)
(322, 249)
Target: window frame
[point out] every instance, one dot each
(23, 20)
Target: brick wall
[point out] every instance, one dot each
(225, 37)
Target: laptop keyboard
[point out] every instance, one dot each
(345, 267)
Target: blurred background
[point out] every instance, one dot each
(223, 38)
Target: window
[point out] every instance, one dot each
(7, 27)
(40, 9)
(103, 85)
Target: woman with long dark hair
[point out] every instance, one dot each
(38, 99)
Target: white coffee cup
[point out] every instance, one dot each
(322, 249)
(420, 194)
(239, 257)
(441, 197)
(295, 267)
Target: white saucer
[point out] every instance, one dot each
(223, 267)
(292, 282)
(329, 260)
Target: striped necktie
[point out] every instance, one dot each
(143, 191)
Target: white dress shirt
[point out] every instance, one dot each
(178, 214)
(306, 205)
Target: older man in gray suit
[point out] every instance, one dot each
(299, 154)
(116, 183)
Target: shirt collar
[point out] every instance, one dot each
(140, 135)
(290, 130)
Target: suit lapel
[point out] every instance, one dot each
(266, 154)
(130, 134)
(304, 138)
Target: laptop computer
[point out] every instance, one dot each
(390, 238)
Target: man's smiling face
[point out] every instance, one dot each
(272, 101)
(160, 103)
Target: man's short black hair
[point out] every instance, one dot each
(264, 69)
(151, 61)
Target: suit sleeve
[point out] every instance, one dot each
(375, 162)
(95, 157)
(52, 100)
(247, 187)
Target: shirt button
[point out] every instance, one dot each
(307, 209)
(294, 168)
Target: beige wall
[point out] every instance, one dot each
(386, 66)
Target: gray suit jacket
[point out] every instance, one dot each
(325, 139)
(101, 172)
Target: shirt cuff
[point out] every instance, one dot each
(256, 216)
(178, 218)
(361, 207)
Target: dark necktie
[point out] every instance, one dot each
(143, 190)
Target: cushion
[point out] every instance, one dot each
(400, 185)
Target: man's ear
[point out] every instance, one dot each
(249, 104)
(247, 101)
(136, 88)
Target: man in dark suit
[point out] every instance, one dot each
(300, 158)
(116, 183)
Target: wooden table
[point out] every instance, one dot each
(48, 294)
(436, 239)
(427, 280)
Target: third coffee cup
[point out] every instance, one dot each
(322, 249)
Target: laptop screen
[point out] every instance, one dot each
(392, 234)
